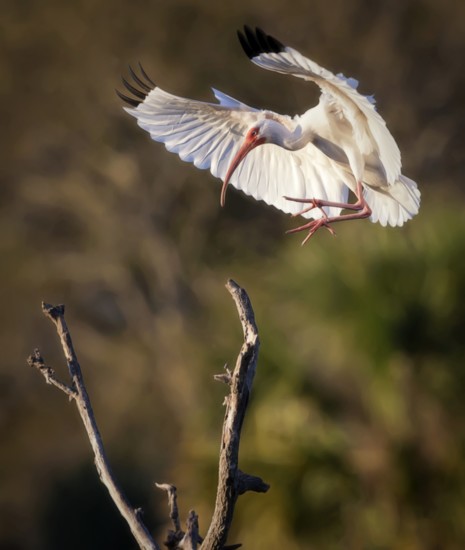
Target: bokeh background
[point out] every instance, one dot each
(358, 414)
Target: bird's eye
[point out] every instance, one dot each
(253, 133)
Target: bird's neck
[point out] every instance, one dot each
(297, 137)
(305, 132)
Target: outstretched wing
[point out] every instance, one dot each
(210, 134)
(368, 126)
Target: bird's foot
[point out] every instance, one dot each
(358, 206)
(313, 203)
(360, 209)
(312, 228)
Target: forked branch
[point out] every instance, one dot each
(78, 392)
(231, 481)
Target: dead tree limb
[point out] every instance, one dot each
(174, 536)
(78, 392)
(191, 538)
(231, 481)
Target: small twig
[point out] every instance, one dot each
(78, 392)
(191, 538)
(172, 503)
(246, 482)
(224, 377)
(230, 480)
(36, 360)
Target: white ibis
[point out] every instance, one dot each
(341, 144)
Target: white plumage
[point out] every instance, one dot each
(339, 145)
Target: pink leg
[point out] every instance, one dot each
(360, 206)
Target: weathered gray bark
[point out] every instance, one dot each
(231, 481)
(78, 392)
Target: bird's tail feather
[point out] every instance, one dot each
(399, 203)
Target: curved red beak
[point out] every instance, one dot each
(250, 143)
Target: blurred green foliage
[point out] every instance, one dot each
(357, 418)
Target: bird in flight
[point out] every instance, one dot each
(303, 165)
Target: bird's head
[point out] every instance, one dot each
(256, 135)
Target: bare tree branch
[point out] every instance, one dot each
(78, 392)
(231, 481)
(174, 537)
(191, 538)
(172, 503)
(37, 361)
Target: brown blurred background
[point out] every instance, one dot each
(358, 415)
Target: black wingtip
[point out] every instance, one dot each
(145, 86)
(129, 100)
(257, 42)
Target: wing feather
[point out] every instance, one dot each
(209, 135)
(368, 126)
